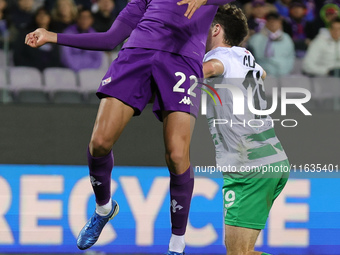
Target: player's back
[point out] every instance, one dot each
(163, 26)
(241, 139)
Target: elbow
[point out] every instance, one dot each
(212, 73)
(109, 44)
(208, 72)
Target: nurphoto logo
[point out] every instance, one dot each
(253, 93)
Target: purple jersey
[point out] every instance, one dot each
(161, 25)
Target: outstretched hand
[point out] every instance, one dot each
(193, 6)
(39, 37)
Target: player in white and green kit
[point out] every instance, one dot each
(246, 142)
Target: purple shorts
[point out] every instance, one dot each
(139, 73)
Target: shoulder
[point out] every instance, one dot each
(218, 53)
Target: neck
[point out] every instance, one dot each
(220, 44)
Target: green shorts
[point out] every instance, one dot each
(249, 198)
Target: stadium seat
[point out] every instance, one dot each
(3, 80)
(327, 92)
(3, 58)
(106, 61)
(4, 92)
(61, 84)
(299, 81)
(26, 85)
(89, 81)
(114, 55)
(269, 83)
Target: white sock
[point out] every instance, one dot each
(177, 243)
(104, 210)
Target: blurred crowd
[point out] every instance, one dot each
(19, 17)
(285, 32)
(281, 32)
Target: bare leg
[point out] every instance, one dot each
(112, 117)
(177, 128)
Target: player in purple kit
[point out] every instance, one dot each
(164, 56)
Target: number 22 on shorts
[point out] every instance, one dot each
(177, 87)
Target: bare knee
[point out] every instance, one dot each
(175, 157)
(177, 160)
(240, 240)
(100, 146)
(240, 249)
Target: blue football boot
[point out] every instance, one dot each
(175, 253)
(89, 235)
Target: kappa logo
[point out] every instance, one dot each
(106, 81)
(186, 100)
(94, 182)
(175, 206)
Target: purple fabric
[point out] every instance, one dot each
(156, 24)
(181, 187)
(137, 73)
(109, 40)
(77, 59)
(100, 176)
(164, 27)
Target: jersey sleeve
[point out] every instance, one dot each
(258, 67)
(121, 29)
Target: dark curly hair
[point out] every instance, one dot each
(233, 22)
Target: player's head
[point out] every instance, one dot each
(228, 28)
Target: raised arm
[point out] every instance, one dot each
(119, 31)
(212, 68)
(108, 40)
